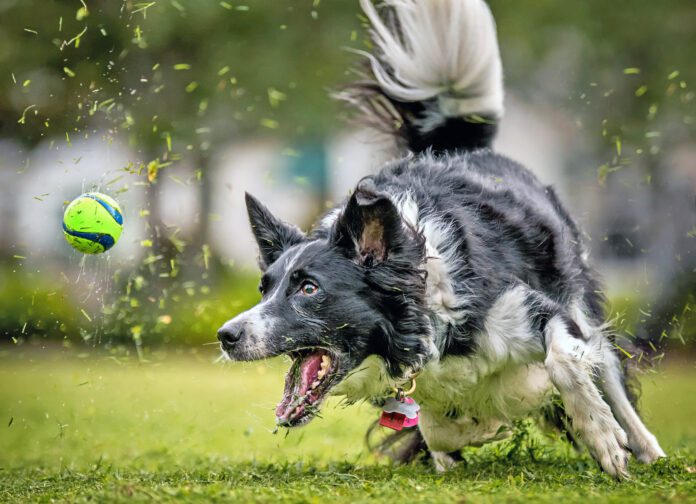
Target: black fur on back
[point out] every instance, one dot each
(401, 120)
(505, 228)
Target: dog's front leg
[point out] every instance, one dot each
(571, 363)
(445, 436)
(443, 461)
(442, 435)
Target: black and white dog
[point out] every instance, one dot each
(452, 262)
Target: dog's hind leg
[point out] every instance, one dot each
(571, 361)
(641, 441)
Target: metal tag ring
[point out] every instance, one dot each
(401, 392)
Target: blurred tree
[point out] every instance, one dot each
(180, 76)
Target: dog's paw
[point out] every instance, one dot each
(608, 446)
(646, 450)
(443, 461)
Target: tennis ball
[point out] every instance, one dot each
(92, 223)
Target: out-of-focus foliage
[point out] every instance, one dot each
(651, 41)
(630, 316)
(189, 314)
(627, 63)
(35, 305)
(196, 71)
(202, 71)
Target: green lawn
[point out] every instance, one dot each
(183, 428)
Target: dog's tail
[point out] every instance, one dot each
(437, 78)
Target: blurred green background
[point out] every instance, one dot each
(176, 107)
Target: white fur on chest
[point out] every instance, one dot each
(458, 386)
(467, 399)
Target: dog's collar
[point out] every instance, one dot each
(402, 392)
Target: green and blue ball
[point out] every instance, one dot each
(92, 223)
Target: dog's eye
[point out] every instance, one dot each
(261, 289)
(308, 289)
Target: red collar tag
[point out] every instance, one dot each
(399, 412)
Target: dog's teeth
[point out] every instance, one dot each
(316, 383)
(325, 364)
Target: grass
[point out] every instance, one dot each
(97, 429)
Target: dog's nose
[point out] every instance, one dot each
(230, 335)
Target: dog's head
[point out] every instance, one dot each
(333, 298)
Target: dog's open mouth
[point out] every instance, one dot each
(306, 385)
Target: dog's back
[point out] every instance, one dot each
(497, 225)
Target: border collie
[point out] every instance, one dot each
(452, 262)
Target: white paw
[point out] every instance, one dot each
(443, 462)
(646, 450)
(607, 443)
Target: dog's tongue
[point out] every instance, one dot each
(298, 381)
(309, 368)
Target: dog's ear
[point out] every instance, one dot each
(369, 229)
(272, 235)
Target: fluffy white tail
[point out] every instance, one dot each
(434, 61)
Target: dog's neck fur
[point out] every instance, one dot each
(439, 259)
(371, 378)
